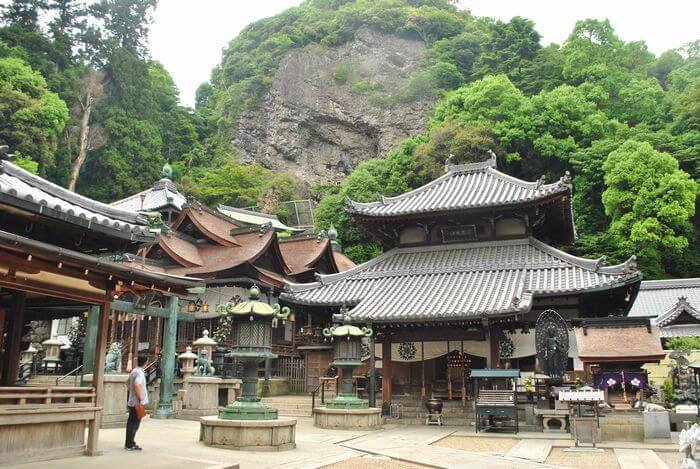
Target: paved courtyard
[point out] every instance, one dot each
(174, 443)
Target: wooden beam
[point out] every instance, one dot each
(129, 307)
(98, 381)
(14, 336)
(44, 288)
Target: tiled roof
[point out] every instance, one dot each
(163, 194)
(342, 261)
(681, 306)
(469, 186)
(23, 189)
(605, 342)
(303, 252)
(656, 297)
(459, 281)
(250, 217)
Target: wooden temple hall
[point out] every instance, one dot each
(57, 258)
(469, 266)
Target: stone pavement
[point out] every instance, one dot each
(175, 443)
(638, 459)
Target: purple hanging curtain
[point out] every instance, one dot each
(634, 379)
(608, 379)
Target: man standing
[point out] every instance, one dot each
(138, 394)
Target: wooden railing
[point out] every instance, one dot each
(74, 396)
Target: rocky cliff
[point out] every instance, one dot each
(329, 109)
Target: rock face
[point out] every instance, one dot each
(326, 109)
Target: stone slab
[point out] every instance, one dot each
(531, 450)
(639, 459)
(656, 425)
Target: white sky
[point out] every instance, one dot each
(188, 35)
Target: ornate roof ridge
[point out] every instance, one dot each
(670, 283)
(489, 167)
(70, 196)
(249, 212)
(681, 305)
(627, 268)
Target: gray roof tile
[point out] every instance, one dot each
(462, 281)
(164, 193)
(29, 190)
(656, 297)
(469, 186)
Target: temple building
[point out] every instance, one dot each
(59, 255)
(469, 264)
(673, 305)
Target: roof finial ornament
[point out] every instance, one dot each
(601, 262)
(540, 182)
(493, 157)
(332, 233)
(448, 162)
(5, 153)
(566, 178)
(380, 198)
(167, 171)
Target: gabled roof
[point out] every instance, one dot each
(656, 297)
(303, 252)
(681, 306)
(459, 281)
(164, 194)
(27, 191)
(342, 261)
(249, 217)
(463, 187)
(213, 225)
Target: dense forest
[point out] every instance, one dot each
(84, 105)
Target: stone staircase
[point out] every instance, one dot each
(291, 405)
(50, 380)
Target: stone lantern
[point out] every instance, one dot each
(52, 353)
(27, 356)
(187, 362)
(347, 355)
(205, 343)
(347, 411)
(252, 343)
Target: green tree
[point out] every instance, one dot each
(650, 201)
(32, 116)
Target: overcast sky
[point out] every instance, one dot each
(188, 35)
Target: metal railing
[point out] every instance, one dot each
(152, 370)
(73, 372)
(26, 371)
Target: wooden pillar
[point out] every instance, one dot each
(386, 369)
(448, 372)
(461, 370)
(113, 331)
(372, 373)
(137, 339)
(91, 331)
(493, 337)
(422, 369)
(167, 372)
(14, 337)
(98, 379)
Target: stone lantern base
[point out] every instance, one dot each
(248, 435)
(243, 409)
(348, 401)
(348, 419)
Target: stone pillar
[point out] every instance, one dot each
(165, 402)
(93, 322)
(386, 369)
(14, 336)
(201, 396)
(116, 394)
